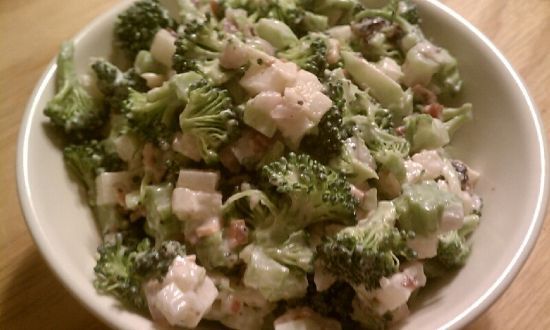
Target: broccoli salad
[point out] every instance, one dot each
(269, 164)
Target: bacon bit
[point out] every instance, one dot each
(151, 162)
(424, 94)
(214, 7)
(260, 142)
(333, 53)
(408, 282)
(295, 314)
(209, 227)
(237, 233)
(234, 304)
(435, 110)
(229, 161)
(137, 214)
(120, 197)
(400, 130)
(172, 32)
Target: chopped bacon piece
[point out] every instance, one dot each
(237, 233)
(424, 94)
(434, 109)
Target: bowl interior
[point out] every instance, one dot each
(505, 143)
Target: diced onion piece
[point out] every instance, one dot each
(304, 318)
(262, 77)
(184, 296)
(390, 68)
(187, 145)
(396, 290)
(257, 112)
(195, 205)
(198, 180)
(111, 187)
(153, 79)
(431, 162)
(163, 47)
(425, 247)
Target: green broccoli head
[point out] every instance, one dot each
(329, 140)
(86, 161)
(405, 9)
(364, 253)
(421, 207)
(72, 108)
(334, 302)
(125, 263)
(294, 252)
(136, 27)
(272, 279)
(214, 252)
(114, 84)
(198, 49)
(152, 115)
(453, 248)
(160, 222)
(339, 12)
(298, 192)
(310, 190)
(309, 53)
(290, 12)
(209, 117)
(455, 118)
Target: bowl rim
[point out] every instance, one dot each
(490, 295)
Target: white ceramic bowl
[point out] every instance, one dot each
(505, 143)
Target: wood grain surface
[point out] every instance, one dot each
(30, 33)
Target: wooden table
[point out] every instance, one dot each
(30, 33)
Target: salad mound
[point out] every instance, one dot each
(269, 164)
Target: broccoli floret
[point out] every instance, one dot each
(160, 221)
(153, 115)
(425, 132)
(378, 139)
(150, 114)
(408, 10)
(364, 253)
(355, 102)
(214, 252)
(299, 191)
(309, 190)
(290, 12)
(198, 49)
(329, 140)
(388, 12)
(295, 251)
(136, 27)
(454, 118)
(355, 161)
(87, 161)
(72, 108)
(209, 117)
(339, 12)
(114, 84)
(453, 249)
(125, 263)
(334, 302)
(274, 280)
(309, 53)
(421, 206)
